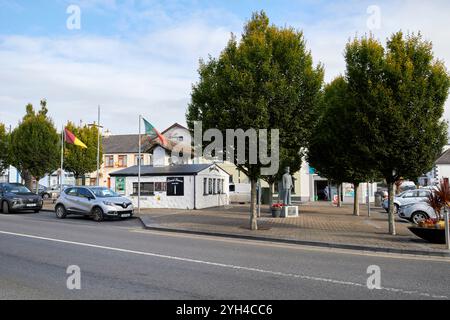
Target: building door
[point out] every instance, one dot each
(321, 192)
(109, 183)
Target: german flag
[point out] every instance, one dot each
(71, 139)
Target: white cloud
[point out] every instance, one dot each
(150, 69)
(150, 75)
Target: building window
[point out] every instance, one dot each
(109, 161)
(205, 186)
(175, 186)
(210, 186)
(214, 186)
(122, 163)
(180, 138)
(160, 186)
(147, 188)
(221, 181)
(136, 160)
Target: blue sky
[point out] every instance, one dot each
(140, 57)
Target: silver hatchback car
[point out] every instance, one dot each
(96, 202)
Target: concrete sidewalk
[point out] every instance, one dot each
(319, 224)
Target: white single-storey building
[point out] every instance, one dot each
(185, 186)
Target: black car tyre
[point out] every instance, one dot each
(45, 196)
(418, 216)
(97, 214)
(5, 207)
(60, 212)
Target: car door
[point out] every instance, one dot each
(408, 197)
(85, 198)
(422, 195)
(71, 200)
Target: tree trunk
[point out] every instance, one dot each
(26, 176)
(391, 215)
(270, 194)
(253, 208)
(356, 200)
(339, 204)
(37, 185)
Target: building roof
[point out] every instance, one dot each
(444, 158)
(182, 170)
(126, 143)
(175, 125)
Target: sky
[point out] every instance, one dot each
(136, 57)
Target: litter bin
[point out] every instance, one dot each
(378, 199)
(265, 197)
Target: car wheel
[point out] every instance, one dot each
(5, 207)
(97, 214)
(418, 216)
(36, 211)
(60, 212)
(45, 196)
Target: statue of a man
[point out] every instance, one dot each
(287, 186)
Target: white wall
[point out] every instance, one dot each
(213, 200)
(161, 200)
(442, 171)
(160, 158)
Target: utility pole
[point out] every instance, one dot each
(9, 166)
(99, 127)
(368, 199)
(139, 166)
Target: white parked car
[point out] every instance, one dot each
(416, 212)
(407, 197)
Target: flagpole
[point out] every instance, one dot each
(98, 148)
(61, 175)
(139, 166)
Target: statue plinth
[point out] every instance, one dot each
(289, 212)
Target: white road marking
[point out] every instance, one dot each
(223, 265)
(298, 247)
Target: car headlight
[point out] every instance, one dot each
(107, 203)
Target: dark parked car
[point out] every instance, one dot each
(17, 197)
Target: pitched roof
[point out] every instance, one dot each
(126, 143)
(182, 170)
(175, 125)
(444, 158)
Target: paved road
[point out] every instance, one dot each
(119, 260)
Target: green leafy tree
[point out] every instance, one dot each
(399, 94)
(264, 80)
(78, 160)
(4, 158)
(336, 150)
(34, 146)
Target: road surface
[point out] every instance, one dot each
(120, 260)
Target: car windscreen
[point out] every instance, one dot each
(17, 189)
(104, 193)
